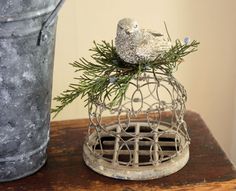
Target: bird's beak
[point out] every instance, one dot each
(128, 31)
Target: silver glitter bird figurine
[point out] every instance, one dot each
(134, 44)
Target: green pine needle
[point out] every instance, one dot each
(106, 79)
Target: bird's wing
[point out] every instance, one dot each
(154, 33)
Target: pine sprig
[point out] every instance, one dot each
(106, 78)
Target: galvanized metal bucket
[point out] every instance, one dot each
(27, 39)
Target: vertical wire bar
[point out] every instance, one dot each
(136, 145)
(116, 146)
(155, 154)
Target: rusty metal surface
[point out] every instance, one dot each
(128, 148)
(25, 86)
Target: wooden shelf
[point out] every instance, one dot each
(207, 169)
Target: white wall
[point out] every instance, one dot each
(208, 75)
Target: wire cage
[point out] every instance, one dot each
(147, 137)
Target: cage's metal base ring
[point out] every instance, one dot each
(135, 173)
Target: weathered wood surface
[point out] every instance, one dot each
(208, 167)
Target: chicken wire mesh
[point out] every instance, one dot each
(145, 137)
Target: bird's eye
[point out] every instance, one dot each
(121, 27)
(135, 26)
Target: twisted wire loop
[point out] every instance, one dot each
(148, 128)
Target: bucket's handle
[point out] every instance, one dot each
(43, 32)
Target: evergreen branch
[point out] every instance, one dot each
(106, 78)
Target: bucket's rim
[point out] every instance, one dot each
(29, 15)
